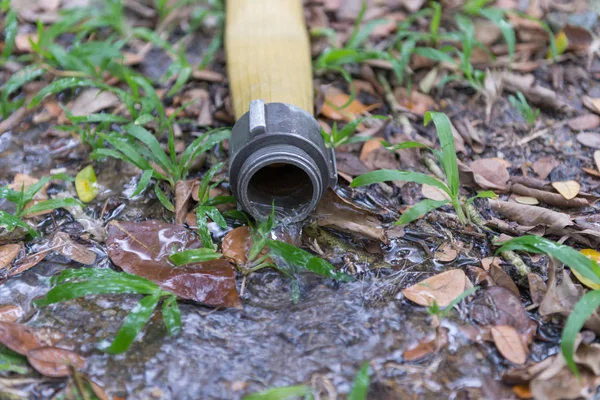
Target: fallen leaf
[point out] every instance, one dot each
(594, 255)
(334, 211)
(236, 244)
(531, 215)
(486, 31)
(26, 263)
(143, 249)
(445, 253)
(425, 347)
(93, 100)
(183, 195)
(584, 122)
(509, 344)
(537, 287)
(579, 39)
(522, 392)
(8, 253)
(568, 189)
(416, 102)
(561, 384)
(70, 249)
(544, 165)
(22, 181)
(350, 164)
(592, 104)
(441, 288)
(589, 139)
(551, 198)
(19, 338)
(434, 193)
(23, 42)
(375, 156)
(493, 171)
(85, 184)
(10, 313)
(54, 362)
(335, 99)
(502, 279)
(532, 201)
(597, 159)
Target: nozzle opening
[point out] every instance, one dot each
(287, 185)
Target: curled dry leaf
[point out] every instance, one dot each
(332, 210)
(10, 313)
(493, 171)
(54, 362)
(143, 249)
(441, 288)
(26, 263)
(183, 194)
(584, 122)
(532, 215)
(543, 166)
(434, 193)
(501, 278)
(532, 201)
(22, 181)
(375, 156)
(589, 139)
(537, 287)
(69, 248)
(335, 99)
(93, 100)
(426, 346)
(236, 244)
(569, 189)
(509, 344)
(19, 338)
(446, 253)
(8, 253)
(416, 102)
(554, 199)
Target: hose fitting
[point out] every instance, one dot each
(277, 155)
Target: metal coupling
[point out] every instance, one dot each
(278, 156)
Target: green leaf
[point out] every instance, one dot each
(194, 256)
(73, 290)
(60, 85)
(450, 164)
(85, 184)
(160, 195)
(282, 393)
(12, 362)
(52, 204)
(420, 209)
(88, 273)
(203, 188)
(98, 118)
(457, 300)
(160, 157)
(10, 222)
(20, 78)
(171, 315)
(143, 183)
(434, 26)
(574, 259)
(387, 175)
(199, 146)
(487, 194)
(584, 308)
(216, 216)
(497, 17)
(203, 231)
(404, 145)
(9, 194)
(217, 200)
(183, 76)
(360, 387)
(434, 54)
(144, 119)
(10, 32)
(303, 259)
(134, 323)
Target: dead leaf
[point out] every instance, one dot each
(579, 38)
(23, 42)
(589, 139)
(335, 99)
(19, 338)
(375, 156)
(334, 211)
(501, 278)
(8, 253)
(560, 297)
(560, 384)
(441, 288)
(416, 102)
(486, 31)
(569, 189)
(509, 344)
(532, 215)
(10, 313)
(522, 392)
(543, 166)
(434, 193)
(597, 159)
(426, 346)
(183, 195)
(532, 201)
(493, 171)
(445, 253)
(66, 246)
(22, 181)
(54, 362)
(584, 122)
(236, 244)
(27, 262)
(551, 198)
(537, 287)
(350, 164)
(143, 249)
(93, 100)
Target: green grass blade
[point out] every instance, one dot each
(171, 315)
(405, 145)
(282, 393)
(130, 153)
(17, 80)
(420, 209)
(36, 187)
(387, 175)
(574, 259)
(303, 259)
(160, 157)
(199, 146)
(160, 195)
(98, 118)
(52, 204)
(434, 54)
(143, 183)
(584, 308)
(182, 77)
(194, 256)
(457, 300)
(203, 231)
(444, 131)
(360, 387)
(60, 85)
(10, 32)
(10, 222)
(12, 362)
(203, 188)
(73, 290)
(133, 324)
(497, 17)
(9, 194)
(88, 273)
(217, 200)
(486, 194)
(216, 216)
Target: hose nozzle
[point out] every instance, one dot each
(278, 156)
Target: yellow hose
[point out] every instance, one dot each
(268, 53)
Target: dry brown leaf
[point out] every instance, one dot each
(26, 263)
(486, 31)
(554, 199)
(183, 195)
(69, 248)
(441, 288)
(591, 103)
(543, 166)
(569, 189)
(375, 156)
(590, 171)
(350, 164)
(501, 278)
(537, 287)
(8, 253)
(335, 99)
(93, 100)
(426, 346)
(531, 215)
(10, 313)
(434, 193)
(54, 362)
(584, 122)
(445, 253)
(23, 42)
(236, 244)
(19, 338)
(532, 201)
(597, 159)
(522, 392)
(579, 38)
(416, 102)
(493, 171)
(509, 344)
(589, 139)
(22, 181)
